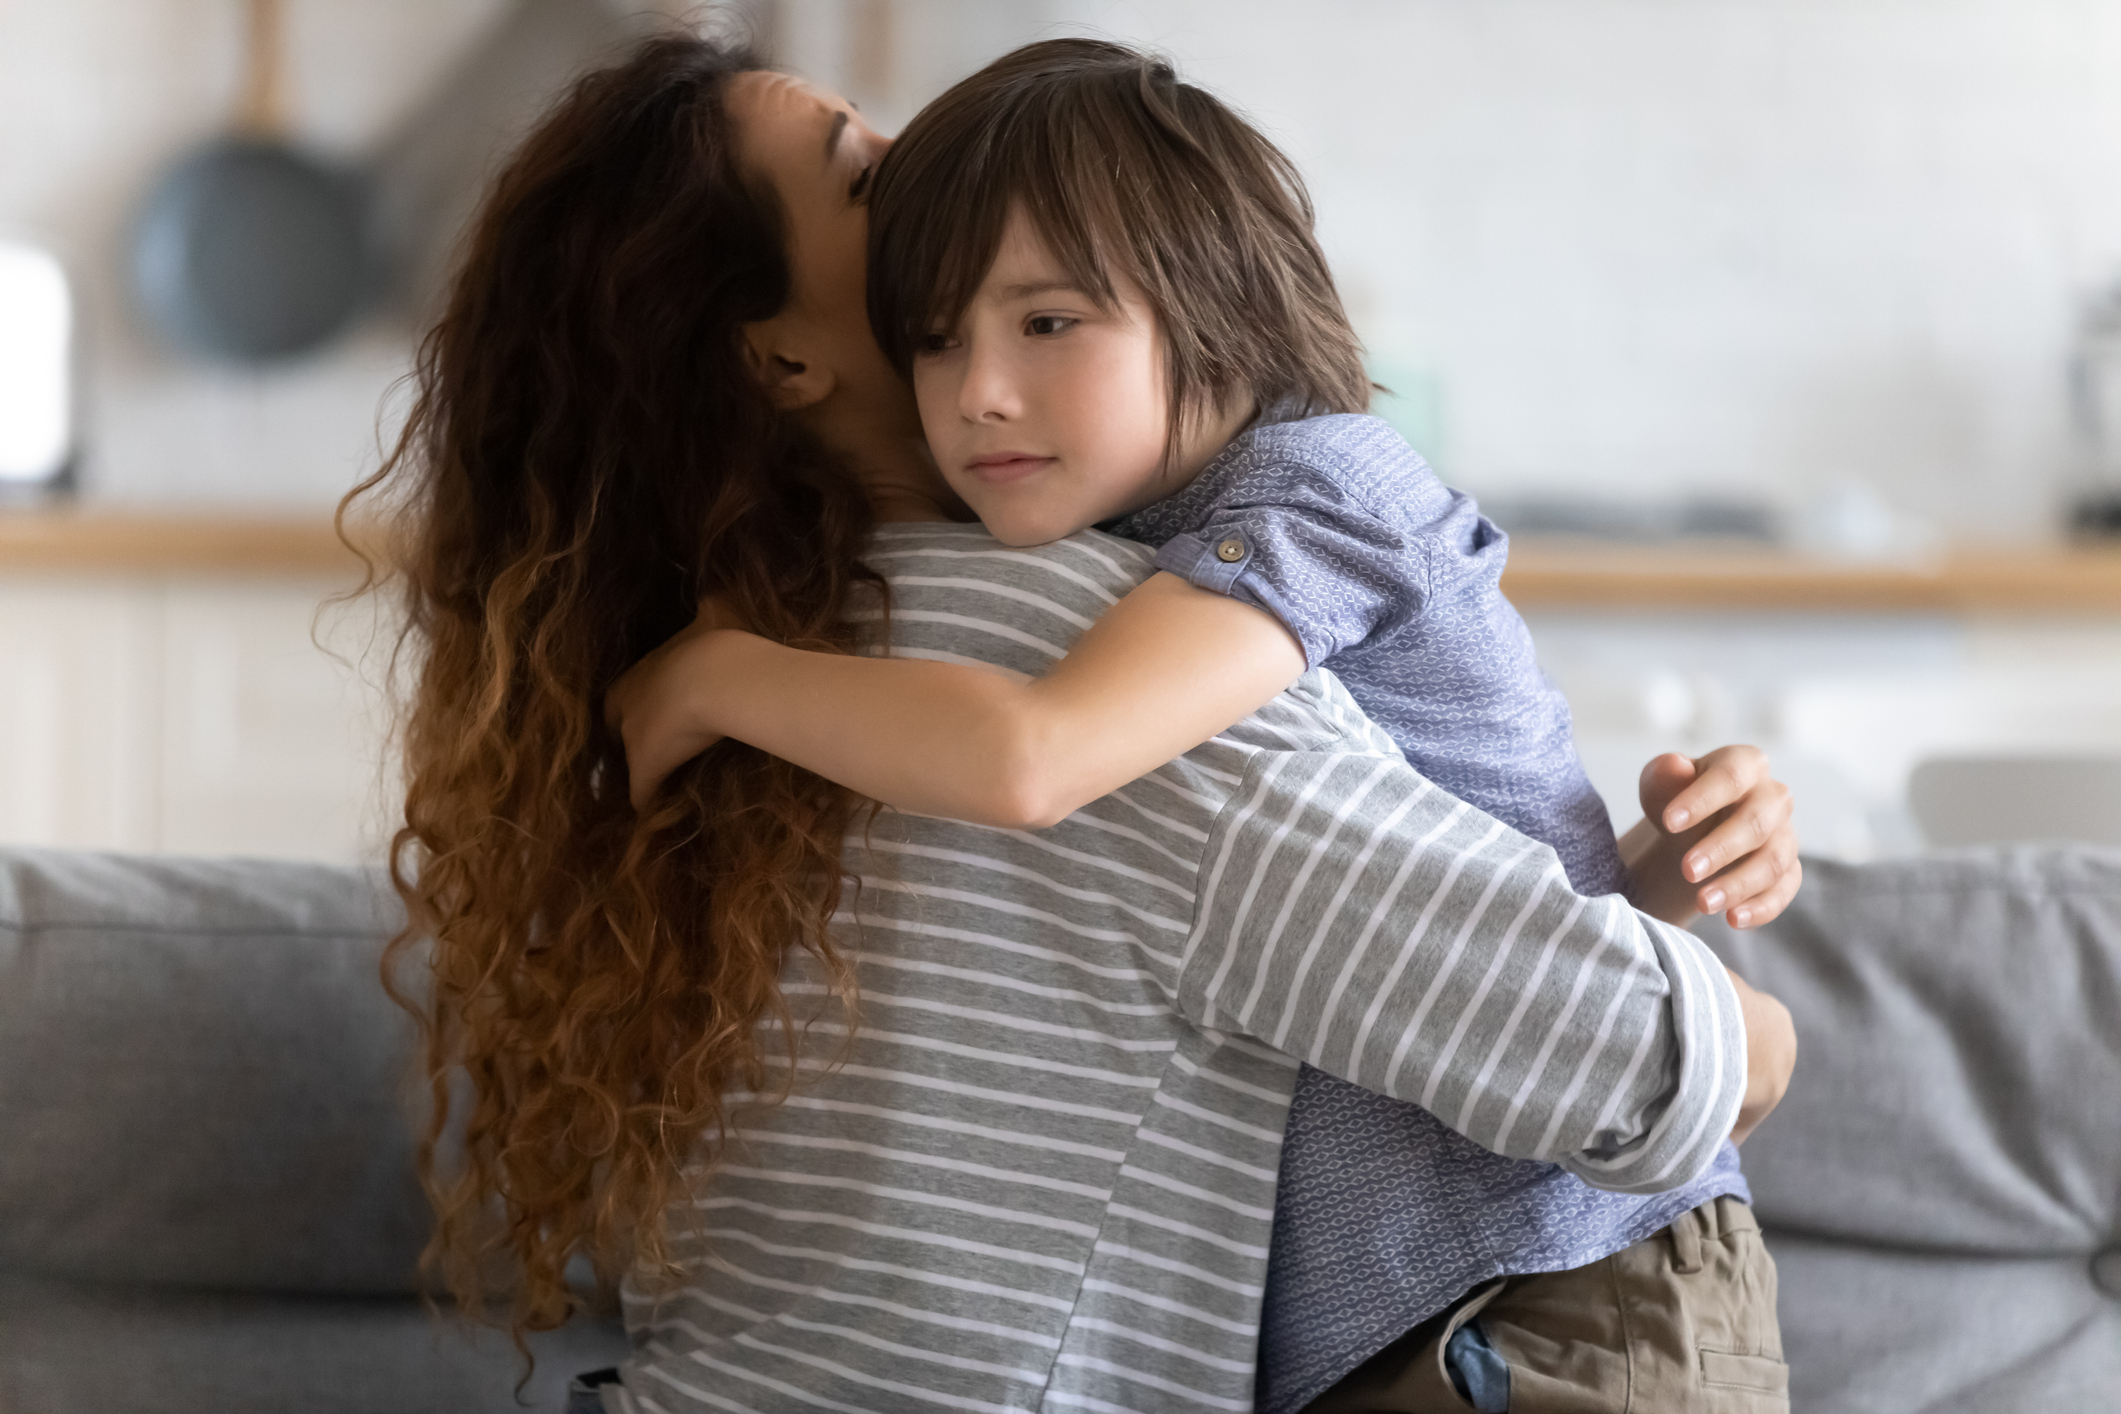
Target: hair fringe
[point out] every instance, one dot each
(1123, 171)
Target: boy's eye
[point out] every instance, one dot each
(860, 185)
(1044, 325)
(934, 343)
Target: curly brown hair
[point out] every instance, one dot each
(587, 455)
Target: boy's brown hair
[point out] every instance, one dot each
(1118, 166)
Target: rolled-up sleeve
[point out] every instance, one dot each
(1359, 918)
(1332, 571)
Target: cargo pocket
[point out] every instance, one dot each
(1754, 1378)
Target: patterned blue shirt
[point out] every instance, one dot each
(1383, 1216)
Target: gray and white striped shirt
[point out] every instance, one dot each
(1039, 1175)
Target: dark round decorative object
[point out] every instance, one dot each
(2098, 516)
(2106, 1271)
(250, 251)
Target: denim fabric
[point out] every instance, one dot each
(1479, 1374)
(585, 1391)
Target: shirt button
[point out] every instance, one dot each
(1230, 551)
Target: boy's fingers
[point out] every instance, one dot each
(1768, 907)
(1661, 782)
(1752, 878)
(643, 787)
(1725, 775)
(1764, 813)
(639, 789)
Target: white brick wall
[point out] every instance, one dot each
(1751, 246)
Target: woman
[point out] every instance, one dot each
(655, 382)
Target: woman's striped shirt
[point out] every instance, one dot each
(1039, 1174)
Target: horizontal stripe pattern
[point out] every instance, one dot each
(1040, 1173)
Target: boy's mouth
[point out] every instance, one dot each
(1001, 468)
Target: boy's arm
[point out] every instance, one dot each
(1165, 669)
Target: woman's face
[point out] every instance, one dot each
(819, 156)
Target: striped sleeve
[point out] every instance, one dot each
(1359, 918)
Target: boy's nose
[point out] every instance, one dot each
(988, 393)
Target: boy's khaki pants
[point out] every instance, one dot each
(1680, 1323)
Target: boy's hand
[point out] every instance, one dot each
(651, 705)
(1716, 837)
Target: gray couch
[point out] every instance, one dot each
(206, 1203)
(1942, 1186)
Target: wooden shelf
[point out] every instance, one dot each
(1543, 574)
(162, 545)
(1555, 574)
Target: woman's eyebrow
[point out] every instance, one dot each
(832, 138)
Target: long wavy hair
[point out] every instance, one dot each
(586, 456)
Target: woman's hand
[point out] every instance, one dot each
(1770, 1055)
(653, 706)
(1715, 837)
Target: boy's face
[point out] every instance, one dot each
(1046, 412)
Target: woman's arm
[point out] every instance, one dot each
(1165, 669)
(1624, 1056)
(1716, 837)
(1770, 1054)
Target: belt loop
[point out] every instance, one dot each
(1686, 1243)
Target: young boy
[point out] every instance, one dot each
(1106, 289)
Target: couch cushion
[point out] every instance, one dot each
(1875, 1330)
(1943, 1178)
(201, 1080)
(67, 1349)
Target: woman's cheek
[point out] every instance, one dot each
(932, 397)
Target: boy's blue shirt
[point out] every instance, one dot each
(1393, 580)
(1390, 578)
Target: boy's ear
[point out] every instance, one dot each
(784, 360)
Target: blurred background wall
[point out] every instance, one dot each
(1816, 266)
(95, 97)
(98, 97)
(1761, 249)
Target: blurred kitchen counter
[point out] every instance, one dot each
(168, 544)
(1554, 574)
(1547, 574)
(190, 684)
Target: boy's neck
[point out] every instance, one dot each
(1209, 440)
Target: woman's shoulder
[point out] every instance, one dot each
(1084, 573)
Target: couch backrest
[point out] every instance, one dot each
(201, 1080)
(1958, 1085)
